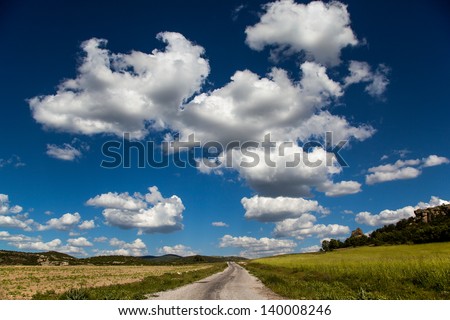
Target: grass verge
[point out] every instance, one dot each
(135, 290)
(390, 272)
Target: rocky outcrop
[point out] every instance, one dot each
(429, 214)
(357, 233)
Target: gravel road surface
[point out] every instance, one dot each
(234, 283)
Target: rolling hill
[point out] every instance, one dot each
(61, 259)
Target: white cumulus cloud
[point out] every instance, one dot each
(403, 169)
(11, 238)
(87, 225)
(66, 152)
(116, 93)
(136, 248)
(434, 160)
(79, 242)
(114, 200)
(100, 239)
(388, 216)
(320, 30)
(341, 188)
(376, 82)
(66, 222)
(16, 209)
(39, 245)
(4, 203)
(305, 226)
(253, 247)
(149, 213)
(294, 174)
(179, 250)
(160, 91)
(276, 209)
(249, 106)
(53, 245)
(22, 242)
(14, 222)
(6, 207)
(219, 224)
(11, 217)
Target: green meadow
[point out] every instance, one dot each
(384, 272)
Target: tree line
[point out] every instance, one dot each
(406, 231)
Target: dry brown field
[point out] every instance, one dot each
(22, 282)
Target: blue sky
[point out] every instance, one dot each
(75, 76)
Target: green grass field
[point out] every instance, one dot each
(387, 272)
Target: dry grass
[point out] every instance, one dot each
(22, 282)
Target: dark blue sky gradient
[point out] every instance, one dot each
(40, 46)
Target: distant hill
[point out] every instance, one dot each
(428, 225)
(53, 258)
(165, 258)
(112, 261)
(175, 259)
(34, 259)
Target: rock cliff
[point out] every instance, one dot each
(429, 214)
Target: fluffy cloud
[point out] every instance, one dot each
(361, 72)
(219, 224)
(66, 222)
(22, 242)
(320, 30)
(324, 121)
(138, 92)
(5, 206)
(402, 169)
(150, 213)
(294, 174)
(87, 225)
(136, 248)
(14, 222)
(53, 245)
(16, 209)
(434, 160)
(79, 242)
(179, 249)
(116, 93)
(304, 227)
(250, 106)
(100, 239)
(379, 82)
(114, 200)
(340, 188)
(387, 216)
(276, 209)
(244, 109)
(6, 236)
(10, 216)
(68, 151)
(4, 203)
(253, 247)
(39, 245)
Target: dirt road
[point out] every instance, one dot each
(234, 283)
